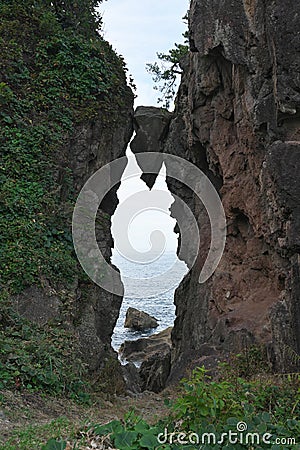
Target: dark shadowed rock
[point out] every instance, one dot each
(39, 305)
(141, 349)
(132, 378)
(139, 320)
(154, 353)
(155, 370)
(237, 119)
(151, 125)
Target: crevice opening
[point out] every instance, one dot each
(150, 278)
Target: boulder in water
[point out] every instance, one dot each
(139, 320)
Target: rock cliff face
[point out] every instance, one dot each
(66, 111)
(83, 306)
(237, 118)
(240, 105)
(96, 310)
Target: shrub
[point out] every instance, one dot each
(39, 358)
(57, 73)
(210, 409)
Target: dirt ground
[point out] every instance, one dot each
(20, 410)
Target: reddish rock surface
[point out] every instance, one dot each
(239, 103)
(237, 118)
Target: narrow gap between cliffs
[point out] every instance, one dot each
(145, 247)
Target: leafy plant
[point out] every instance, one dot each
(53, 444)
(205, 398)
(52, 82)
(210, 410)
(166, 72)
(39, 358)
(82, 16)
(57, 75)
(134, 433)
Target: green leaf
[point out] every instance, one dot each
(266, 417)
(149, 440)
(262, 428)
(141, 427)
(125, 440)
(114, 426)
(55, 445)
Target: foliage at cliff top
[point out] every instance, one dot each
(56, 74)
(167, 70)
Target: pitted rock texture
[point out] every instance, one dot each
(139, 320)
(237, 118)
(151, 126)
(96, 311)
(83, 307)
(239, 106)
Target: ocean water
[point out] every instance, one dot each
(148, 287)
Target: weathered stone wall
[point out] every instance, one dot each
(238, 105)
(97, 310)
(84, 307)
(237, 118)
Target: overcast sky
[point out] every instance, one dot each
(138, 29)
(145, 213)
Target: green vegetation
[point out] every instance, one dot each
(39, 358)
(57, 74)
(268, 406)
(208, 406)
(53, 79)
(32, 437)
(166, 72)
